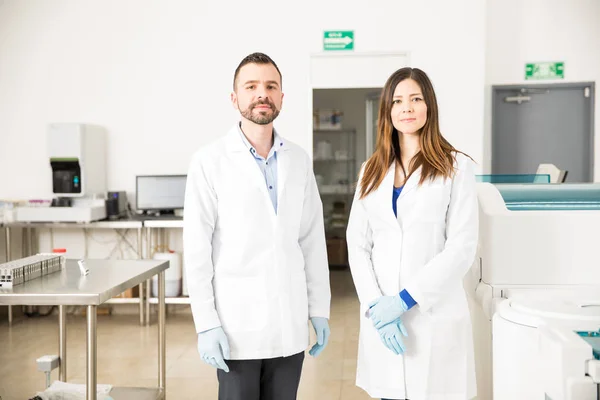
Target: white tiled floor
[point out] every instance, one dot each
(127, 354)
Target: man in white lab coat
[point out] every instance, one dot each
(254, 247)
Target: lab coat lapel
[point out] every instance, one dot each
(245, 161)
(283, 168)
(385, 192)
(406, 200)
(412, 183)
(403, 204)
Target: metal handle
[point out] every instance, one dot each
(517, 99)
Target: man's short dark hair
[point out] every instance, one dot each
(255, 58)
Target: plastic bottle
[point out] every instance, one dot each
(172, 275)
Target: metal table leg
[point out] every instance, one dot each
(162, 370)
(25, 250)
(148, 293)
(141, 287)
(148, 281)
(7, 239)
(8, 258)
(62, 343)
(32, 241)
(90, 380)
(163, 245)
(141, 299)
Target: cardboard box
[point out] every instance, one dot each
(337, 251)
(129, 293)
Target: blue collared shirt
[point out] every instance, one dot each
(268, 166)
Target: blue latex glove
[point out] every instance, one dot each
(322, 330)
(386, 309)
(391, 336)
(213, 347)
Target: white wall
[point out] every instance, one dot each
(158, 74)
(524, 31)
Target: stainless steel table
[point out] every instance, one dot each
(107, 278)
(29, 227)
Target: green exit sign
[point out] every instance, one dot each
(545, 70)
(338, 40)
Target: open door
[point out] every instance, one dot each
(345, 101)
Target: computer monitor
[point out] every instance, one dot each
(160, 192)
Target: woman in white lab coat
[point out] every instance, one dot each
(412, 237)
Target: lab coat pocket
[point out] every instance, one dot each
(448, 355)
(242, 303)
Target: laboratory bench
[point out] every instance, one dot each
(106, 278)
(153, 227)
(30, 247)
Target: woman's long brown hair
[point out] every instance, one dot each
(436, 157)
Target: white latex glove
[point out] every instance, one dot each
(213, 347)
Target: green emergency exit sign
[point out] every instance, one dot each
(545, 70)
(338, 40)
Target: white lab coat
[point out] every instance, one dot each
(426, 250)
(258, 274)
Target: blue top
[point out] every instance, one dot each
(404, 295)
(408, 300)
(395, 196)
(268, 166)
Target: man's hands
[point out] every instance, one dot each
(322, 330)
(213, 347)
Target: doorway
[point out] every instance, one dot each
(342, 141)
(344, 102)
(538, 124)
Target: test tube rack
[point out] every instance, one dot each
(19, 271)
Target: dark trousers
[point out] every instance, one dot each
(271, 379)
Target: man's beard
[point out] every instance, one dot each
(263, 117)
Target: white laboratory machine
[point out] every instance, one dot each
(569, 363)
(538, 248)
(518, 362)
(77, 155)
